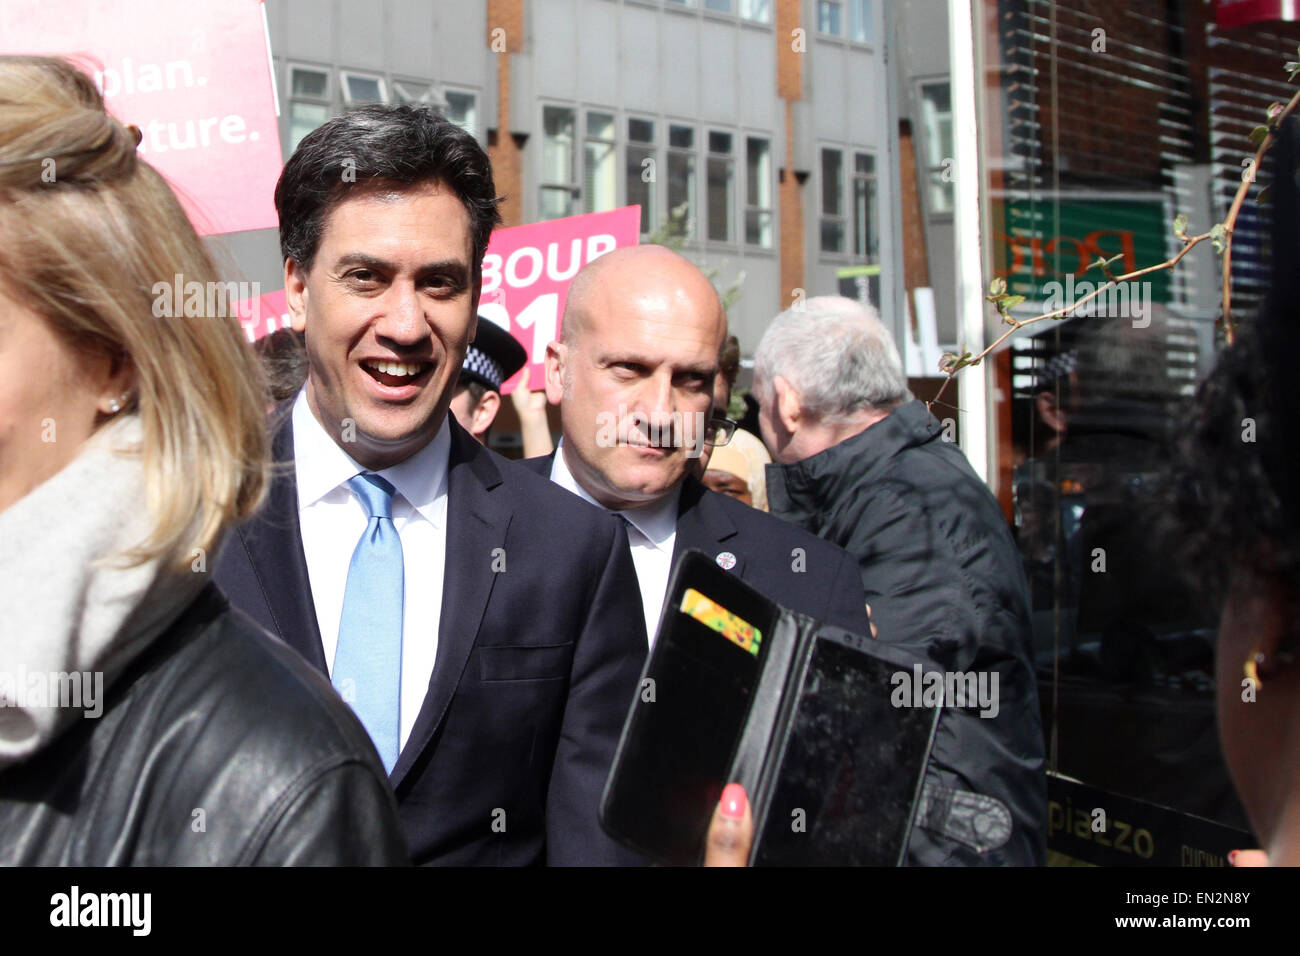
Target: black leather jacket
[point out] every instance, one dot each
(218, 745)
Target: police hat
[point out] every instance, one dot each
(492, 357)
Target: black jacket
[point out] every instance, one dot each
(782, 562)
(943, 576)
(540, 647)
(218, 745)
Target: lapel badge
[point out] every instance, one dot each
(726, 560)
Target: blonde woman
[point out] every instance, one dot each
(142, 721)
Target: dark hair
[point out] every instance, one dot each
(284, 359)
(476, 389)
(373, 146)
(1240, 492)
(729, 360)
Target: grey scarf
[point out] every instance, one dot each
(72, 615)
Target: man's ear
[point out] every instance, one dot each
(557, 354)
(1049, 411)
(295, 294)
(485, 413)
(789, 409)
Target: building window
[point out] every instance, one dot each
(721, 6)
(832, 219)
(362, 88)
(414, 93)
(758, 192)
(559, 185)
(600, 173)
(866, 227)
(462, 109)
(860, 25)
(721, 186)
(640, 169)
(830, 17)
(759, 11)
(309, 102)
(936, 118)
(681, 176)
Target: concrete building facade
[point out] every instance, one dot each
(762, 128)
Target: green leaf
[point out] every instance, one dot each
(1258, 135)
(1011, 301)
(1217, 238)
(998, 287)
(1180, 225)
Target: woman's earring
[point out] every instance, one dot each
(1251, 668)
(114, 406)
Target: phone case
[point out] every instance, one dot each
(802, 717)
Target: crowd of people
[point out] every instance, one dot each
(335, 625)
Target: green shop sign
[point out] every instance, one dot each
(1046, 239)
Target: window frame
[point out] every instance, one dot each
(873, 178)
(693, 216)
(345, 92)
(931, 139)
(575, 188)
(326, 101)
(842, 216)
(770, 208)
(477, 129)
(612, 143)
(869, 20)
(710, 156)
(817, 11)
(650, 208)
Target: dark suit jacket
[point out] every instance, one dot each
(782, 562)
(537, 663)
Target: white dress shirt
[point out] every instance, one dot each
(333, 520)
(651, 536)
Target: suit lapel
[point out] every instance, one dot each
(704, 525)
(477, 521)
(273, 541)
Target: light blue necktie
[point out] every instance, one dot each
(368, 659)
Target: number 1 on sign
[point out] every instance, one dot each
(541, 315)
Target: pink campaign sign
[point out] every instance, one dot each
(194, 76)
(261, 315)
(527, 270)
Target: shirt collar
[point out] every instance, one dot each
(321, 465)
(656, 520)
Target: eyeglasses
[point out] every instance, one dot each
(719, 431)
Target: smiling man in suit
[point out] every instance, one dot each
(633, 374)
(484, 625)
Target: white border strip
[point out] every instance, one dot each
(974, 382)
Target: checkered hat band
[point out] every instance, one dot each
(479, 365)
